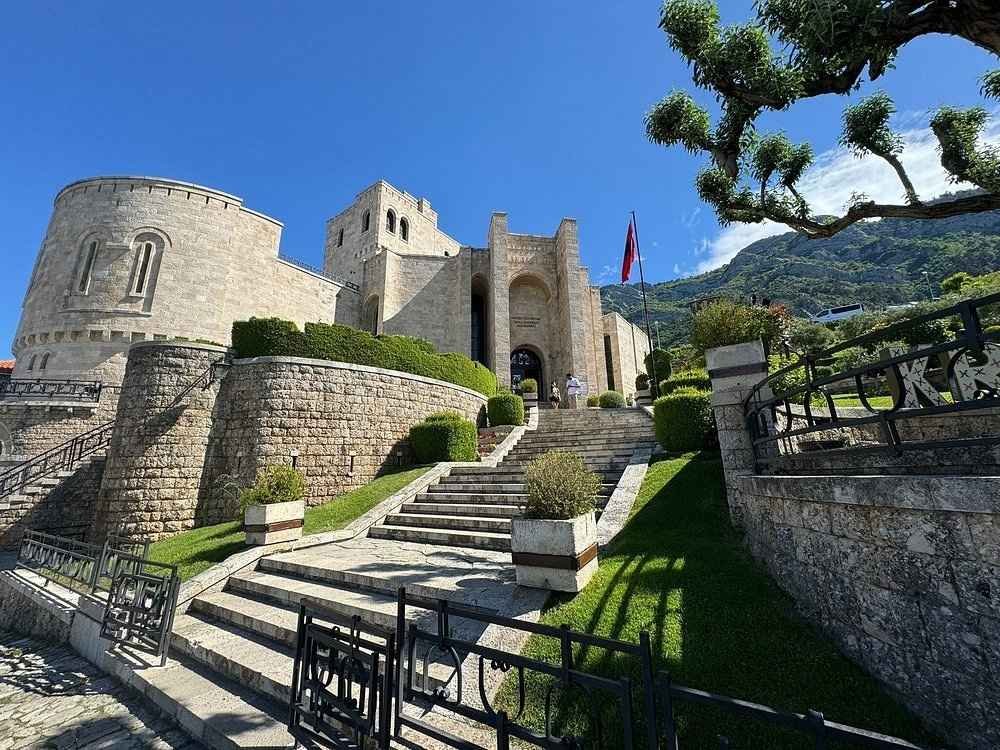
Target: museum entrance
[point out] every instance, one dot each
(524, 363)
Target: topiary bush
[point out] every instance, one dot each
(444, 437)
(593, 400)
(641, 381)
(505, 408)
(275, 484)
(697, 379)
(662, 359)
(529, 385)
(559, 486)
(261, 337)
(683, 420)
(611, 400)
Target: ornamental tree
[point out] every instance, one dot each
(827, 46)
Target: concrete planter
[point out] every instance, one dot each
(530, 399)
(278, 522)
(559, 555)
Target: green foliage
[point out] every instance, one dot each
(260, 337)
(641, 381)
(724, 322)
(685, 357)
(806, 337)
(505, 408)
(593, 400)
(683, 420)
(611, 400)
(697, 379)
(953, 284)
(441, 437)
(559, 486)
(529, 385)
(661, 357)
(275, 484)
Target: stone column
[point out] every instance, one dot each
(734, 371)
(500, 291)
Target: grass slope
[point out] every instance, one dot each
(717, 622)
(199, 549)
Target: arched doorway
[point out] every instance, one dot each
(369, 315)
(479, 334)
(524, 363)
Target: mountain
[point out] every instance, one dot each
(877, 263)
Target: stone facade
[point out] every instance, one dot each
(903, 572)
(340, 424)
(629, 346)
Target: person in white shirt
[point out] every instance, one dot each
(573, 388)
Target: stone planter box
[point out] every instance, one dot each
(278, 522)
(530, 399)
(556, 555)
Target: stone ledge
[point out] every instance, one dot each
(177, 344)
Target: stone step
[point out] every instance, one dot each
(452, 538)
(503, 474)
(471, 498)
(477, 486)
(449, 521)
(615, 465)
(460, 509)
(569, 436)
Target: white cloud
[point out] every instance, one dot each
(677, 269)
(607, 273)
(837, 174)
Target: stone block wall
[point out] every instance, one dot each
(33, 425)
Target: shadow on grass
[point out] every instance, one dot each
(716, 620)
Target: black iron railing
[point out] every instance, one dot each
(796, 407)
(71, 559)
(318, 271)
(67, 390)
(62, 457)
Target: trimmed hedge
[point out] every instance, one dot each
(663, 369)
(697, 379)
(274, 337)
(594, 400)
(529, 385)
(505, 408)
(611, 400)
(683, 420)
(641, 381)
(444, 437)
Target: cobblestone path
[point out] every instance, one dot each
(50, 697)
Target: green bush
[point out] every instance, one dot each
(505, 408)
(529, 385)
(641, 381)
(661, 357)
(611, 400)
(444, 437)
(724, 322)
(593, 400)
(260, 337)
(275, 484)
(684, 357)
(683, 420)
(559, 486)
(697, 379)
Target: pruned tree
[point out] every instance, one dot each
(827, 47)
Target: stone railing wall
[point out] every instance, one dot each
(340, 424)
(903, 572)
(36, 423)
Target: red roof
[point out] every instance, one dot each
(6, 365)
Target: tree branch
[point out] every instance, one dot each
(911, 192)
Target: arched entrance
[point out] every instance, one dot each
(524, 363)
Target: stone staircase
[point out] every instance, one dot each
(229, 678)
(472, 506)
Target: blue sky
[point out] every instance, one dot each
(532, 108)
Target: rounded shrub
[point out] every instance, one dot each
(611, 400)
(697, 379)
(661, 357)
(559, 486)
(641, 381)
(444, 437)
(683, 420)
(275, 484)
(593, 400)
(529, 385)
(505, 408)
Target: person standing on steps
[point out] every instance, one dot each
(573, 387)
(554, 397)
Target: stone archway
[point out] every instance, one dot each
(369, 315)
(527, 363)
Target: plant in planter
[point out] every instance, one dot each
(274, 510)
(529, 391)
(554, 546)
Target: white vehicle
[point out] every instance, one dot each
(838, 313)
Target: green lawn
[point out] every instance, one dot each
(199, 549)
(717, 622)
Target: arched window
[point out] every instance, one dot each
(340, 237)
(45, 361)
(143, 259)
(90, 256)
(366, 221)
(404, 229)
(390, 220)
(31, 362)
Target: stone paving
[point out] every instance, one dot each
(52, 698)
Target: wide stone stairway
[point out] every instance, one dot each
(472, 507)
(232, 651)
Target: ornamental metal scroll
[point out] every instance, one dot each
(957, 376)
(141, 600)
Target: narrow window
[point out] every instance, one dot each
(340, 237)
(404, 229)
(390, 220)
(88, 267)
(145, 254)
(366, 221)
(31, 362)
(45, 361)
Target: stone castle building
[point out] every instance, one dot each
(128, 259)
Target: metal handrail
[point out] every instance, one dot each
(63, 456)
(318, 271)
(70, 390)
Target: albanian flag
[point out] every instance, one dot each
(631, 252)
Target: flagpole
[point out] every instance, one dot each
(654, 387)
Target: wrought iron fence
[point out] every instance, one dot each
(67, 390)
(60, 558)
(62, 457)
(342, 680)
(796, 408)
(342, 684)
(318, 271)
